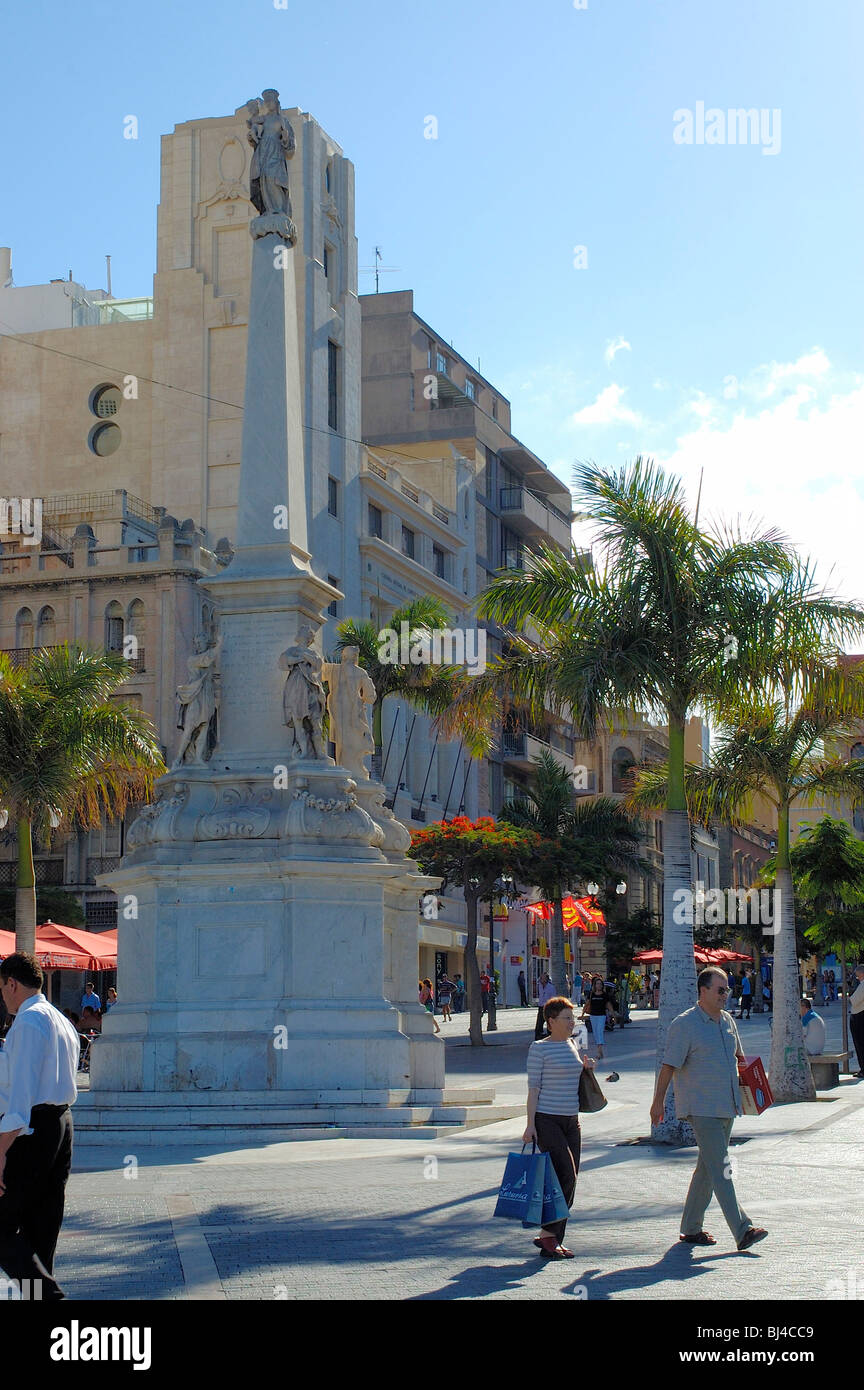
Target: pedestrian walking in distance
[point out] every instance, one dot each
(554, 1068)
(545, 992)
(445, 994)
(702, 1053)
(856, 1019)
(426, 996)
(598, 1008)
(523, 993)
(746, 994)
(38, 1086)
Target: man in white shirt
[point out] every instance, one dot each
(41, 1056)
(856, 1020)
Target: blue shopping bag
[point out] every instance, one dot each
(522, 1187)
(555, 1206)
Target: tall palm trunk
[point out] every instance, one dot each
(678, 972)
(788, 1070)
(472, 970)
(25, 891)
(844, 1005)
(758, 996)
(557, 963)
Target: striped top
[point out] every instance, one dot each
(555, 1068)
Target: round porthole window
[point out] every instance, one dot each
(104, 439)
(105, 401)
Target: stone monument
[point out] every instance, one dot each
(267, 913)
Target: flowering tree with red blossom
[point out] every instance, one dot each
(472, 855)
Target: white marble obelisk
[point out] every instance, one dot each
(265, 899)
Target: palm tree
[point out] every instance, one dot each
(68, 754)
(828, 868)
(780, 751)
(426, 687)
(580, 841)
(652, 630)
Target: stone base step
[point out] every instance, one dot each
(206, 1100)
(149, 1126)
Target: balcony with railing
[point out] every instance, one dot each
(528, 514)
(523, 749)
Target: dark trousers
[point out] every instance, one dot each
(523, 997)
(561, 1138)
(856, 1023)
(540, 1025)
(31, 1208)
(745, 1002)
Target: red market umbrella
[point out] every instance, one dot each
(51, 956)
(705, 955)
(97, 950)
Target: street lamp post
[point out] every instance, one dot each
(621, 889)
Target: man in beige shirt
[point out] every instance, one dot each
(856, 1021)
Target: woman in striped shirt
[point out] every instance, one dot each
(554, 1068)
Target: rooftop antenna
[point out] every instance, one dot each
(108, 264)
(699, 496)
(378, 269)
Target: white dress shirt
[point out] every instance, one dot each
(856, 1000)
(41, 1063)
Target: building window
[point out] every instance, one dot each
(438, 561)
(104, 440)
(430, 352)
(332, 496)
(46, 632)
(327, 261)
(105, 401)
(441, 364)
(622, 762)
(658, 835)
(114, 627)
(333, 385)
(328, 176)
(494, 409)
(333, 608)
(376, 521)
(408, 542)
(470, 389)
(24, 630)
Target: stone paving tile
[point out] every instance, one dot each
(359, 1219)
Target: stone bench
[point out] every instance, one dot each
(826, 1069)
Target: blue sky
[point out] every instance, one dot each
(717, 323)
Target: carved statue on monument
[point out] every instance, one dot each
(303, 697)
(351, 692)
(198, 702)
(272, 139)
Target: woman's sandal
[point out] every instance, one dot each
(548, 1246)
(703, 1238)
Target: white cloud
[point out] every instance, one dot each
(795, 463)
(607, 409)
(616, 345)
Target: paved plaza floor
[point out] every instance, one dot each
(411, 1219)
